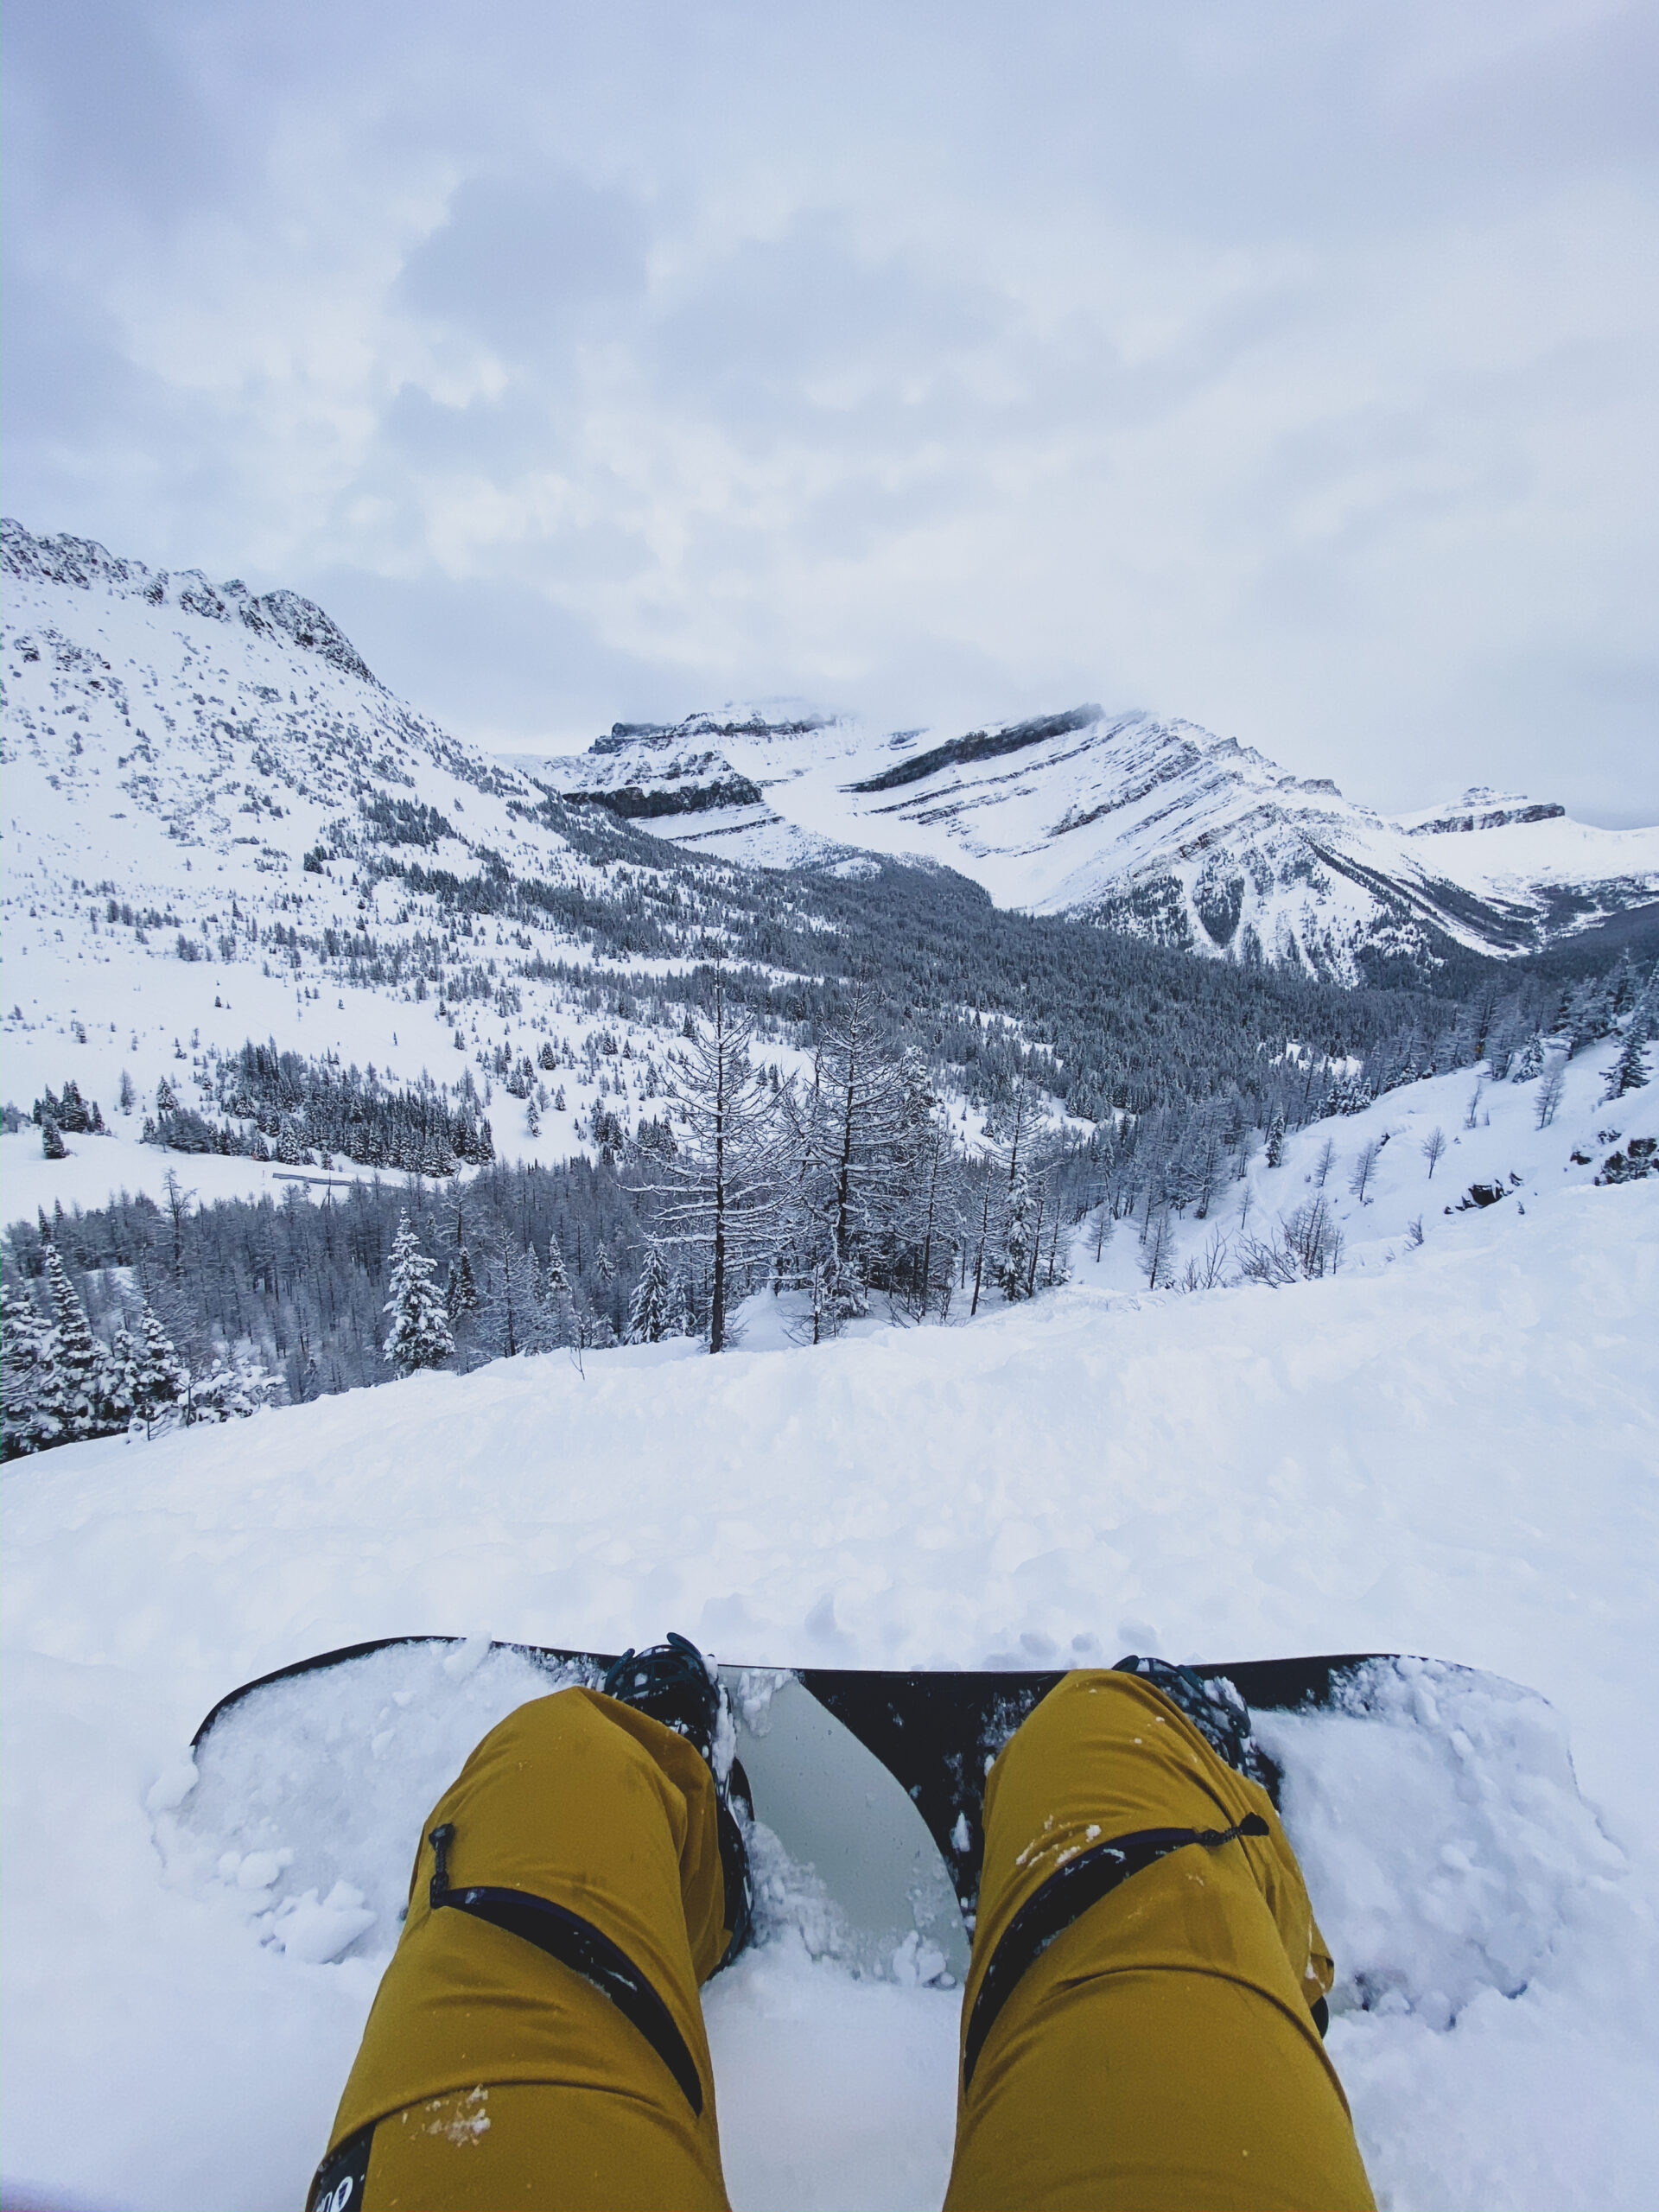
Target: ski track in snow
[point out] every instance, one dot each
(1449, 1450)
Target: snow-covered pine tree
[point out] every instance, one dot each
(27, 1423)
(651, 1314)
(559, 1299)
(1019, 1240)
(420, 1335)
(52, 1145)
(231, 1390)
(1275, 1148)
(77, 1359)
(1589, 1016)
(461, 1292)
(115, 1397)
(1629, 1070)
(1530, 1060)
(534, 1305)
(155, 1380)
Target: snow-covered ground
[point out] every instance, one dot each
(1453, 1451)
(1405, 1192)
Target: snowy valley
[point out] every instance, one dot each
(1254, 1251)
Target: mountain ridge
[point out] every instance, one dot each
(1155, 826)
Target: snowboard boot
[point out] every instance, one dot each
(1216, 1710)
(675, 1684)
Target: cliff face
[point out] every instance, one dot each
(1155, 826)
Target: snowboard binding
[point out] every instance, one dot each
(676, 1685)
(1217, 1710)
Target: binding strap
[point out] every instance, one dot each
(576, 1943)
(1067, 1894)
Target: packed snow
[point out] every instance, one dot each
(1447, 1448)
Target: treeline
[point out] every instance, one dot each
(845, 1192)
(278, 1105)
(298, 1289)
(839, 1191)
(60, 1382)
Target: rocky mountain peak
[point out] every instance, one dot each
(84, 565)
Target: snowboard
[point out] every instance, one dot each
(1434, 1806)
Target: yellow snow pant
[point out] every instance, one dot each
(1159, 2053)
(496, 2077)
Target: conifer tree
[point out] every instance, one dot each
(532, 1299)
(420, 1335)
(1530, 1060)
(155, 1380)
(722, 1185)
(559, 1298)
(26, 1376)
(1629, 1070)
(461, 1292)
(1019, 1240)
(651, 1314)
(1275, 1150)
(115, 1400)
(78, 1362)
(231, 1390)
(1058, 1268)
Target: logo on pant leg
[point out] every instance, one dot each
(343, 2176)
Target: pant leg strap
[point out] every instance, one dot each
(1067, 1894)
(576, 1943)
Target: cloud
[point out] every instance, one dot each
(1288, 368)
(522, 265)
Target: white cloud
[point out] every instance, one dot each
(1290, 368)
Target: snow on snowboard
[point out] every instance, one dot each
(1433, 1807)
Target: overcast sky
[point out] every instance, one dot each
(1289, 365)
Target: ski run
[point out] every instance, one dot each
(1447, 1447)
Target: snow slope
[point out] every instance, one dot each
(1491, 1138)
(179, 748)
(1453, 1452)
(1155, 826)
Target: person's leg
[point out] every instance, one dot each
(582, 1855)
(1156, 2047)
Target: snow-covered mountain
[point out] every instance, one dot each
(1156, 827)
(225, 734)
(218, 825)
(212, 812)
